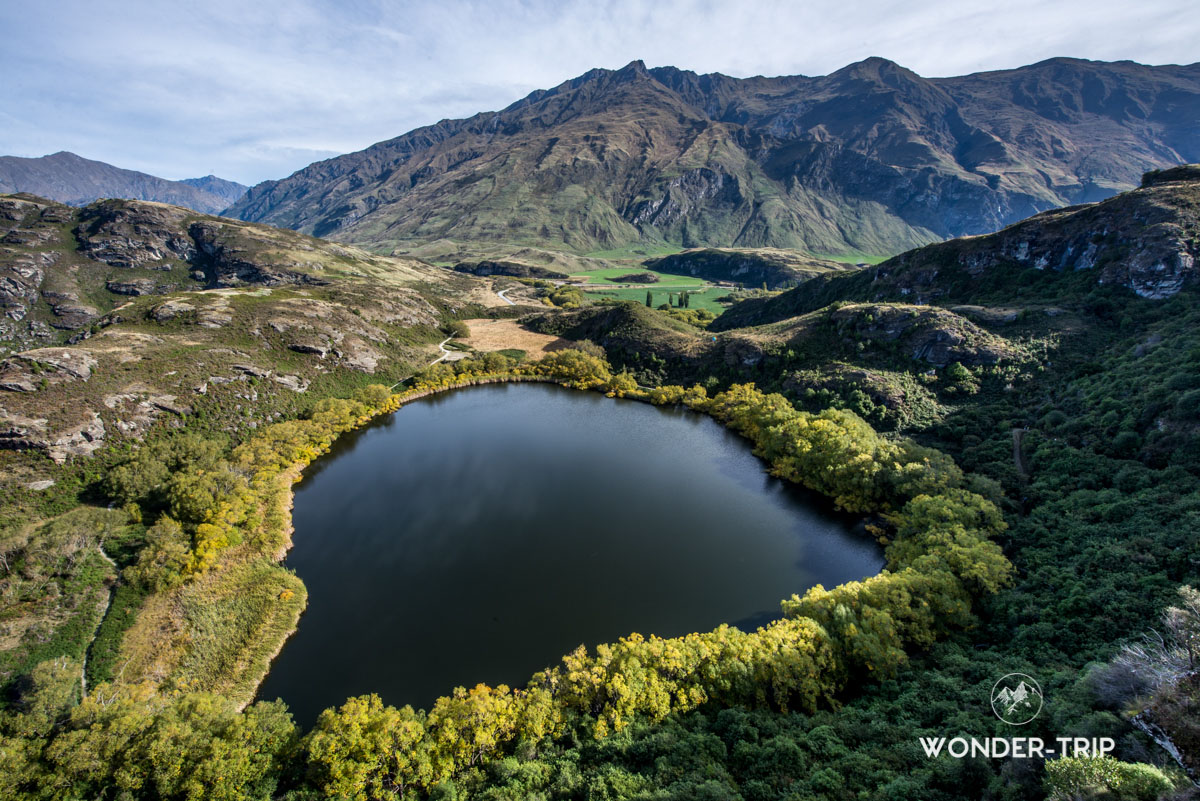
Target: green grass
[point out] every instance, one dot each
(698, 298)
(103, 662)
(665, 279)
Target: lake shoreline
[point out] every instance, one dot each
(799, 499)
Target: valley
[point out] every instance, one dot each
(662, 435)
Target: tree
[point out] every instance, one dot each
(649, 299)
(457, 329)
(366, 750)
(161, 563)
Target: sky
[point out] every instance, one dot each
(255, 89)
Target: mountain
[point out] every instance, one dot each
(871, 159)
(77, 181)
(228, 191)
(1146, 240)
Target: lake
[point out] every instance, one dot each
(478, 535)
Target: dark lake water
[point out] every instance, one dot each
(479, 535)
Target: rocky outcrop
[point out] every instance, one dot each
(69, 313)
(71, 363)
(923, 333)
(18, 432)
(136, 409)
(136, 287)
(123, 234)
(229, 258)
(171, 309)
(313, 348)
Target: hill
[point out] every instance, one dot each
(871, 159)
(752, 267)
(1069, 398)
(77, 181)
(1146, 240)
(125, 315)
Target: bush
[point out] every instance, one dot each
(1070, 778)
(457, 329)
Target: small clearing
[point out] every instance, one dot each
(489, 335)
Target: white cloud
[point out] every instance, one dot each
(255, 90)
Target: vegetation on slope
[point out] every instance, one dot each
(801, 661)
(1070, 406)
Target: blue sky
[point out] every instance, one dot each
(256, 89)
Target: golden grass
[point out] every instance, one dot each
(218, 632)
(489, 335)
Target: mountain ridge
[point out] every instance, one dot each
(72, 179)
(870, 159)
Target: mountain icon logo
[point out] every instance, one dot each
(1016, 699)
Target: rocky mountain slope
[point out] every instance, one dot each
(871, 159)
(77, 181)
(125, 315)
(1146, 240)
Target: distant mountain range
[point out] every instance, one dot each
(871, 159)
(77, 181)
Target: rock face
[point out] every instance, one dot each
(24, 433)
(70, 362)
(77, 181)
(870, 159)
(232, 260)
(135, 235)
